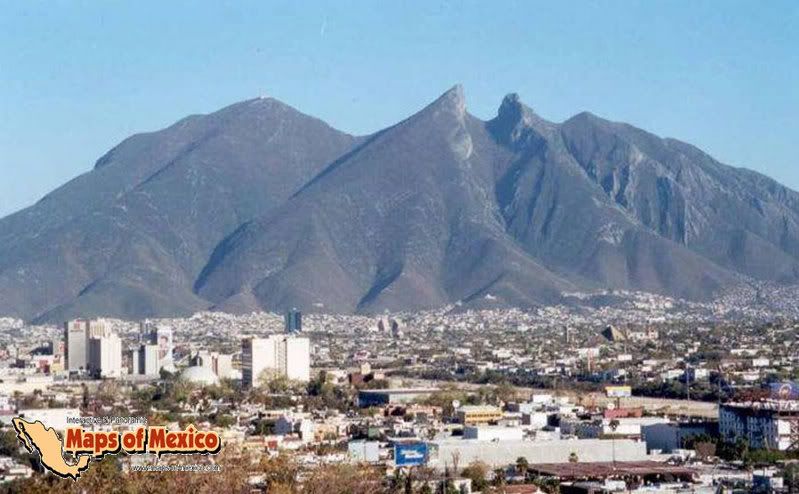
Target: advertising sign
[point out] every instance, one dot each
(618, 391)
(784, 391)
(410, 454)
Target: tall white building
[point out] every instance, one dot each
(105, 355)
(162, 337)
(294, 358)
(285, 355)
(76, 341)
(144, 361)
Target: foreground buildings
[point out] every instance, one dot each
(769, 424)
(430, 392)
(283, 355)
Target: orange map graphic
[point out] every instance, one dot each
(44, 440)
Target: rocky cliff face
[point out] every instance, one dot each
(260, 207)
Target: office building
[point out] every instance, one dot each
(162, 337)
(293, 321)
(283, 355)
(294, 358)
(76, 341)
(478, 414)
(144, 361)
(772, 424)
(105, 356)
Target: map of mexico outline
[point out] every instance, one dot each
(94, 445)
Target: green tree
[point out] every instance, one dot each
(522, 465)
(477, 472)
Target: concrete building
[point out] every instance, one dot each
(144, 361)
(283, 355)
(76, 341)
(772, 424)
(478, 414)
(667, 437)
(105, 356)
(493, 433)
(162, 337)
(379, 397)
(291, 424)
(503, 453)
(364, 451)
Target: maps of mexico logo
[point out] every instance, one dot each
(87, 445)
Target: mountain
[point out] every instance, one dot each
(129, 237)
(258, 206)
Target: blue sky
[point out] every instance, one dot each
(76, 78)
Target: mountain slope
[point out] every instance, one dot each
(444, 207)
(258, 206)
(405, 221)
(130, 237)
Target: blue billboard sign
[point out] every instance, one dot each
(410, 454)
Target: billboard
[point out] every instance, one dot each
(784, 390)
(410, 454)
(618, 391)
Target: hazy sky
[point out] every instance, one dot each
(76, 78)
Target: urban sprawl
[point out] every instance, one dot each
(621, 392)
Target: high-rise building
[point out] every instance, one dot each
(285, 355)
(293, 321)
(257, 354)
(134, 361)
(76, 341)
(294, 358)
(161, 336)
(149, 362)
(105, 355)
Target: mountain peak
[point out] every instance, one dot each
(516, 122)
(452, 100)
(512, 109)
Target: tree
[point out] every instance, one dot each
(279, 471)
(522, 466)
(499, 477)
(504, 392)
(343, 479)
(792, 477)
(274, 382)
(477, 472)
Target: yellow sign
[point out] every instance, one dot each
(618, 391)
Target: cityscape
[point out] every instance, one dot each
(549, 400)
(418, 247)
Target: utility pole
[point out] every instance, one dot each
(614, 424)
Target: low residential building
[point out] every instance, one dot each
(493, 433)
(378, 397)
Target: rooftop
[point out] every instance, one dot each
(600, 470)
